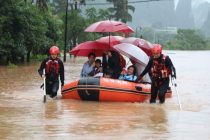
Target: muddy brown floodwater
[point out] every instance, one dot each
(24, 116)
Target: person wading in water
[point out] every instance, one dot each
(53, 68)
(160, 68)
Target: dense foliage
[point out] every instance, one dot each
(188, 40)
(184, 39)
(25, 30)
(77, 24)
(120, 10)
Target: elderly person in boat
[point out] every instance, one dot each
(129, 75)
(88, 66)
(139, 69)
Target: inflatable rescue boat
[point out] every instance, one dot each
(106, 89)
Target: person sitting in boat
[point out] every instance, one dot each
(113, 63)
(88, 66)
(98, 70)
(129, 75)
(139, 69)
(108, 73)
(99, 74)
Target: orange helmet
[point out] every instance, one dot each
(157, 48)
(54, 50)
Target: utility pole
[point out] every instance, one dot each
(136, 32)
(75, 5)
(65, 35)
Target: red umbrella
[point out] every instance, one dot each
(109, 26)
(112, 40)
(126, 30)
(83, 49)
(146, 46)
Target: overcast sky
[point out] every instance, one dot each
(194, 2)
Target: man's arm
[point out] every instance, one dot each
(170, 65)
(146, 70)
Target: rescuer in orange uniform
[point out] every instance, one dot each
(160, 68)
(51, 68)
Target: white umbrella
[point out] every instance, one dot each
(146, 46)
(133, 52)
(136, 54)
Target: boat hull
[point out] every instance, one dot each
(105, 89)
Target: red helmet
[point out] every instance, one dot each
(157, 48)
(54, 50)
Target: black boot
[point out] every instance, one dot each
(162, 100)
(152, 101)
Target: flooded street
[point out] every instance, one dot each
(23, 115)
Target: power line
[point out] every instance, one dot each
(129, 2)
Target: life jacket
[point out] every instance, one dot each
(52, 68)
(122, 61)
(159, 69)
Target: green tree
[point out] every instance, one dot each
(54, 27)
(42, 5)
(76, 26)
(103, 14)
(121, 10)
(11, 41)
(208, 44)
(59, 6)
(187, 39)
(34, 29)
(147, 33)
(25, 30)
(93, 15)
